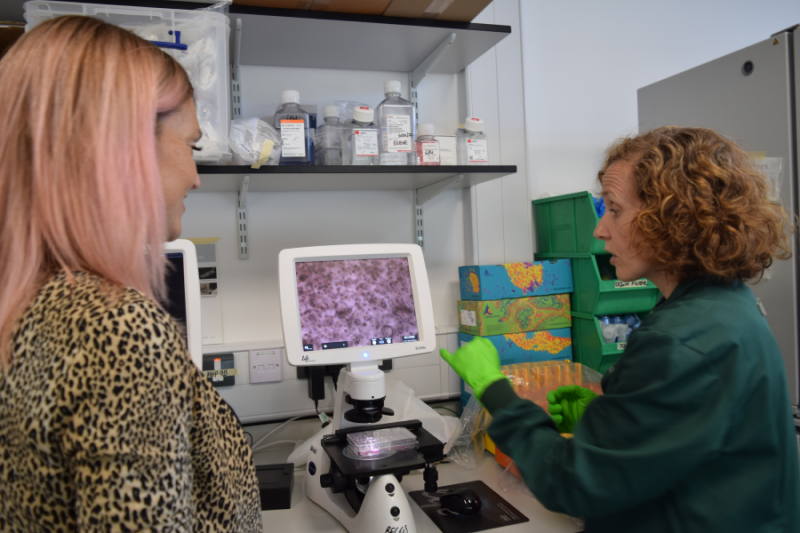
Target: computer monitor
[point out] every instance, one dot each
(355, 303)
(183, 294)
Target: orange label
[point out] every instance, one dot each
(292, 121)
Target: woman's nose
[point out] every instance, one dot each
(600, 231)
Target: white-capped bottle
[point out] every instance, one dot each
(362, 138)
(472, 146)
(397, 127)
(427, 146)
(329, 138)
(292, 122)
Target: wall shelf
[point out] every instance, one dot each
(342, 178)
(317, 39)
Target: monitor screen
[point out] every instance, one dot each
(183, 294)
(176, 289)
(355, 302)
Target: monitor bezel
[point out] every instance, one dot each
(290, 313)
(191, 281)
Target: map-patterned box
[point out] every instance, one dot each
(515, 280)
(500, 317)
(529, 347)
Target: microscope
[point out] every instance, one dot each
(358, 305)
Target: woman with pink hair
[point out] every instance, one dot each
(105, 423)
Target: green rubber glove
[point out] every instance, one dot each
(478, 364)
(567, 404)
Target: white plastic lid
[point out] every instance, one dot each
(363, 114)
(330, 111)
(425, 129)
(392, 86)
(290, 96)
(473, 124)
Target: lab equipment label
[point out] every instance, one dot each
(630, 284)
(221, 373)
(397, 137)
(366, 143)
(477, 151)
(430, 152)
(622, 345)
(293, 137)
(468, 318)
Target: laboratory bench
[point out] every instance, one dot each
(307, 516)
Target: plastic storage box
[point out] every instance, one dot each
(588, 347)
(533, 381)
(206, 60)
(598, 292)
(565, 225)
(515, 280)
(502, 317)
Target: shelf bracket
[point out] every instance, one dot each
(241, 218)
(236, 81)
(422, 70)
(424, 194)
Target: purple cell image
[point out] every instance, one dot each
(355, 301)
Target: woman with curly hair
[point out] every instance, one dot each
(694, 430)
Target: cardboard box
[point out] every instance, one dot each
(515, 280)
(533, 346)
(281, 4)
(455, 10)
(361, 7)
(502, 317)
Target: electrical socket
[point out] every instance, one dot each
(265, 365)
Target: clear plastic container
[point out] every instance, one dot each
(533, 381)
(205, 59)
(381, 442)
(328, 144)
(397, 126)
(472, 146)
(362, 138)
(293, 123)
(427, 146)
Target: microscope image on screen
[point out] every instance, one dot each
(358, 302)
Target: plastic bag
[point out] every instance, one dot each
(250, 137)
(400, 398)
(469, 441)
(219, 7)
(346, 109)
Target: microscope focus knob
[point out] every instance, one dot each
(389, 488)
(326, 481)
(395, 511)
(386, 411)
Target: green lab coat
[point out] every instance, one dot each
(694, 431)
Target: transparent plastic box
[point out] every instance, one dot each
(206, 58)
(381, 442)
(533, 381)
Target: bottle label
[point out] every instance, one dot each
(366, 143)
(430, 152)
(397, 137)
(293, 136)
(477, 151)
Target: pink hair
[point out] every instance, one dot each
(80, 188)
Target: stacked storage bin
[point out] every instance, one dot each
(522, 308)
(564, 228)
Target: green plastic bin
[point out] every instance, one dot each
(598, 291)
(565, 224)
(588, 347)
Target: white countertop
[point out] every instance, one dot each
(307, 516)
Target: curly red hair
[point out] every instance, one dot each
(706, 210)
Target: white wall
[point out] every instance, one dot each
(584, 61)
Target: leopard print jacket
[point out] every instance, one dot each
(107, 425)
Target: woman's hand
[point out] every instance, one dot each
(478, 364)
(567, 404)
